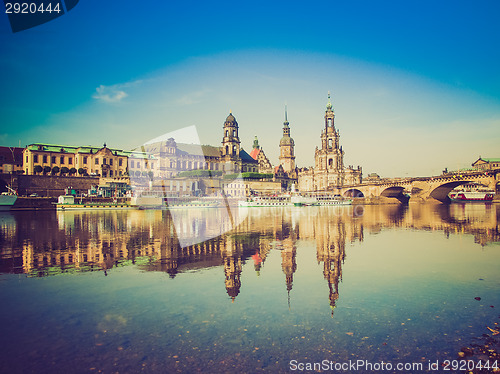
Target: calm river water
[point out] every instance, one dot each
(289, 287)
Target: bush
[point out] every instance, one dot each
(55, 170)
(38, 169)
(200, 173)
(250, 176)
(46, 169)
(64, 170)
(72, 171)
(81, 171)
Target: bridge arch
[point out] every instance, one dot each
(441, 192)
(393, 191)
(353, 192)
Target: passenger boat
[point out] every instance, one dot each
(267, 201)
(7, 199)
(332, 200)
(179, 203)
(471, 196)
(293, 200)
(67, 202)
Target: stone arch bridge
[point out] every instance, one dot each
(421, 189)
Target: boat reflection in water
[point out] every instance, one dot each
(398, 281)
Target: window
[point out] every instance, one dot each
(111, 161)
(104, 161)
(85, 160)
(97, 160)
(44, 158)
(62, 160)
(120, 162)
(35, 158)
(131, 164)
(26, 158)
(53, 159)
(70, 160)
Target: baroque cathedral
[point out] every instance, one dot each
(329, 171)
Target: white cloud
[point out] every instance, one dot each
(109, 94)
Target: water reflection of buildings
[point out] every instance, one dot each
(45, 243)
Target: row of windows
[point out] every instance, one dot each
(104, 161)
(53, 160)
(138, 164)
(45, 159)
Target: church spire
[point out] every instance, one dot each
(286, 127)
(329, 105)
(256, 143)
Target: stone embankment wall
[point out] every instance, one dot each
(50, 186)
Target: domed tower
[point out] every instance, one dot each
(287, 155)
(230, 141)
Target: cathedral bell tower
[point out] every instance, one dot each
(330, 137)
(230, 141)
(330, 156)
(287, 155)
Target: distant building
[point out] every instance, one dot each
(52, 159)
(372, 177)
(11, 160)
(329, 171)
(258, 154)
(175, 158)
(486, 163)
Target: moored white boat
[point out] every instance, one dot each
(7, 201)
(471, 196)
(332, 200)
(67, 202)
(266, 201)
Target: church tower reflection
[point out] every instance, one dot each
(288, 263)
(231, 259)
(330, 249)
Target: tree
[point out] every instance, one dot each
(150, 175)
(81, 171)
(46, 170)
(64, 170)
(38, 169)
(55, 170)
(137, 173)
(72, 171)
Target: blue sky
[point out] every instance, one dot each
(415, 85)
